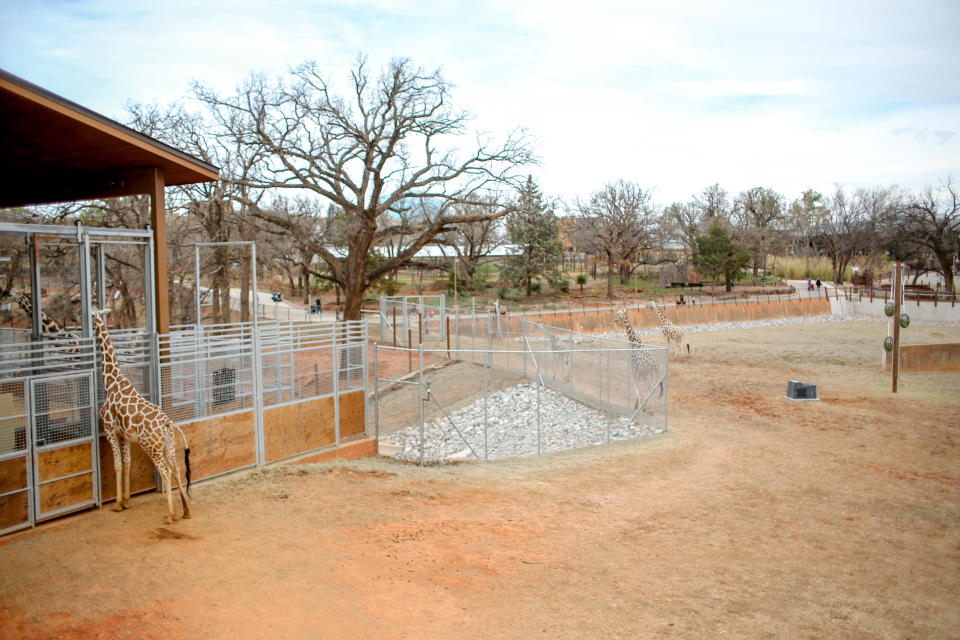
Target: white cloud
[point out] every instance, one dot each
(672, 95)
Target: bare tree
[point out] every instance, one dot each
(621, 219)
(806, 214)
(757, 215)
(373, 154)
(850, 225)
(473, 241)
(932, 220)
(219, 210)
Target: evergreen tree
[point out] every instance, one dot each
(716, 256)
(534, 231)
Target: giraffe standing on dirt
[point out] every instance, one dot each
(643, 364)
(670, 332)
(129, 417)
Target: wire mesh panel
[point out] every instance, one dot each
(62, 409)
(207, 373)
(62, 414)
(563, 390)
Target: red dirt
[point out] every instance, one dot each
(753, 517)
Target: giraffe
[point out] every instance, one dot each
(129, 417)
(643, 364)
(561, 356)
(670, 332)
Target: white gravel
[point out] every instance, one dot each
(512, 428)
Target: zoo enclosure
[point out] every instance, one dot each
(598, 372)
(245, 394)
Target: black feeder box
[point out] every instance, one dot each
(801, 390)
(224, 385)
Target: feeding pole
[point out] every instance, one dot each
(897, 293)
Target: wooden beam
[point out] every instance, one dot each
(76, 186)
(158, 220)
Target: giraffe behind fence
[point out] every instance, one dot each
(670, 332)
(643, 364)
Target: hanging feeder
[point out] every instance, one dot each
(889, 309)
(904, 320)
(888, 344)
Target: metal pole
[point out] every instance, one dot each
(608, 396)
(666, 392)
(539, 450)
(196, 284)
(420, 396)
(257, 364)
(523, 330)
(486, 365)
(376, 398)
(897, 293)
(336, 386)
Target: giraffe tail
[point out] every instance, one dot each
(186, 456)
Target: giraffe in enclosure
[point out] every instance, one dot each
(129, 417)
(643, 364)
(561, 356)
(48, 324)
(670, 332)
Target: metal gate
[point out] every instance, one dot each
(63, 429)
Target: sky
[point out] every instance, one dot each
(674, 96)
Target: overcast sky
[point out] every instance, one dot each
(672, 95)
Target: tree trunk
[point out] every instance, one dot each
(610, 275)
(946, 269)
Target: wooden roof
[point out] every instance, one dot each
(54, 150)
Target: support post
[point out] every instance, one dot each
(158, 220)
(897, 289)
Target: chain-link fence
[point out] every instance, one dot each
(508, 387)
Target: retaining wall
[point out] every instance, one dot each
(643, 318)
(926, 357)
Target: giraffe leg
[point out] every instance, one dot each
(166, 474)
(111, 435)
(126, 475)
(170, 451)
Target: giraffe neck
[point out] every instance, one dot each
(631, 334)
(663, 319)
(113, 378)
(49, 324)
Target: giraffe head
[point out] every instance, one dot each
(621, 315)
(19, 296)
(653, 304)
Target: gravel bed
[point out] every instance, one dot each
(512, 428)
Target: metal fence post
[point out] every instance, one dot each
(420, 396)
(523, 330)
(336, 387)
(486, 358)
(376, 397)
(608, 397)
(539, 451)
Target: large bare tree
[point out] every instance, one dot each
(932, 220)
(620, 219)
(377, 154)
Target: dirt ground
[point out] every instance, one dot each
(753, 517)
